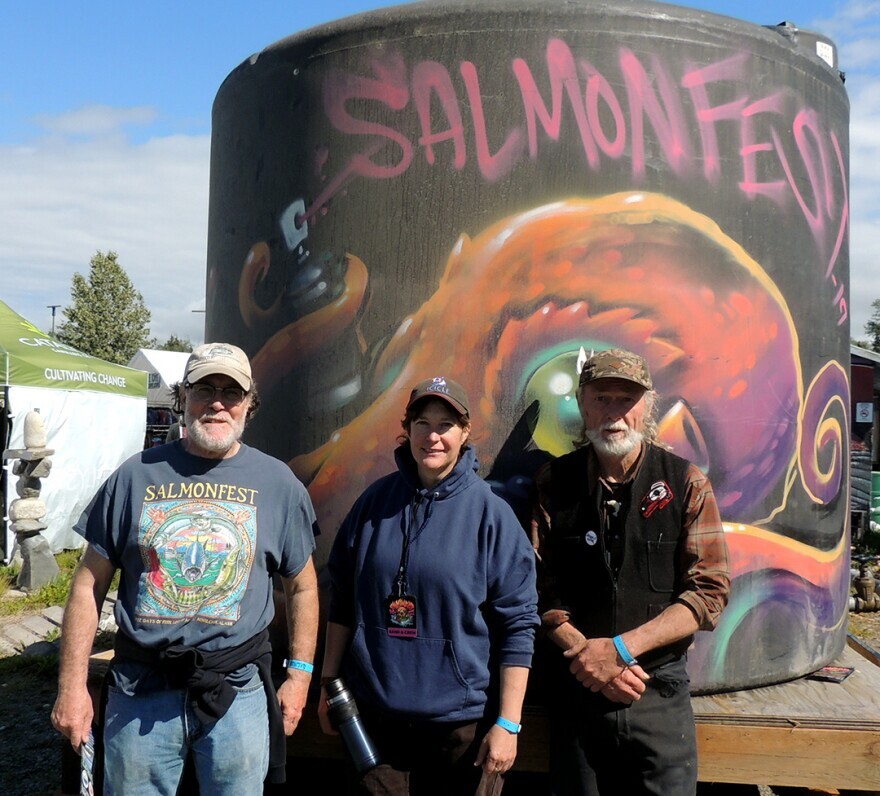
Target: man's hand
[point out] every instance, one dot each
(628, 686)
(594, 662)
(292, 695)
(72, 715)
(73, 711)
(301, 607)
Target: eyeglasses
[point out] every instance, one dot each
(231, 396)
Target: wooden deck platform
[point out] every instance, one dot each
(804, 733)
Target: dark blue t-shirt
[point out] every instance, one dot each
(198, 541)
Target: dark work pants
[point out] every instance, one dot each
(649, 747)
(422, 758)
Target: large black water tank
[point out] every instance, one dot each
(483, 190)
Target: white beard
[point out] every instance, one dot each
(201, 435)
(614, 447)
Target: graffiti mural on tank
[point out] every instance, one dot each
(747, 359)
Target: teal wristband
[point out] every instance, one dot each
(308, 668)
(512, 727)
(625, 654)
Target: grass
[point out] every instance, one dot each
(54, 593)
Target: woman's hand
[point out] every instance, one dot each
(497, 751)
(324, 714)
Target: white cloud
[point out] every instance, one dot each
(95, 120)
(864, 200)
(62, 200)
(855, 29)
(856, 18)
(865, 204)
(860, 54)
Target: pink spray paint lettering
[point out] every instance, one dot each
(786, 153)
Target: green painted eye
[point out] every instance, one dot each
(553, 386)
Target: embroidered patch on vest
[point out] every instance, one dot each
(659, 496)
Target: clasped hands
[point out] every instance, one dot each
(597, 666)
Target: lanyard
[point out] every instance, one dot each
(404, 551)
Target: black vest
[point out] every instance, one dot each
(601, 604)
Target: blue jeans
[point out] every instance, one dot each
(149, 731)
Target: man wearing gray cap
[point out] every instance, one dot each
(632, 562)
(198, 528)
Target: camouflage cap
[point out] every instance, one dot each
(616, 363)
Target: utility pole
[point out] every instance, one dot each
(53, 307)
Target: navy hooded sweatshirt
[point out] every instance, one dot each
(471, 570)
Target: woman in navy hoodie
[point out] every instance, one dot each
(432, 612)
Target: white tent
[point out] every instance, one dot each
(163, 368)
(94, 413)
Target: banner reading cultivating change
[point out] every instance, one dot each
(31, 358)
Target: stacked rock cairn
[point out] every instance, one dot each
(38, 565)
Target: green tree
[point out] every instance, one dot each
(107, 317)
(173, 343)
(872, 327)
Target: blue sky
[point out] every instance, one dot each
(105, 122)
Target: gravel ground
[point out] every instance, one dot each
(866, 627)
(30, 748)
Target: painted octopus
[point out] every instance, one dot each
(513, 309)
(630, 270)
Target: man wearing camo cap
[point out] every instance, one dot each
(632, 562)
